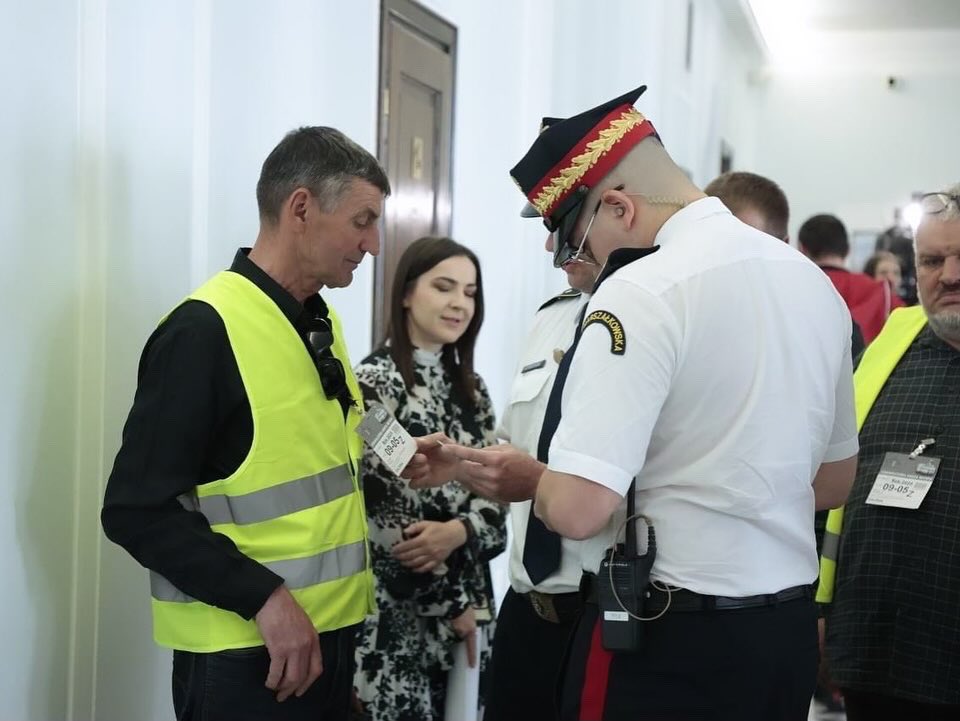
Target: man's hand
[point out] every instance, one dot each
(292, 643)
(502, 473)
(429, 543)
(465, 626)
(431, 466)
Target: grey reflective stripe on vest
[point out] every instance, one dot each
(278, 501)
(831, 546)
(296, 572)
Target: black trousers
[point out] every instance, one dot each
(526, 663)
(755, 664)
(228, 685)
(868, 706)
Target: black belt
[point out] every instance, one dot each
(555, 607)
(681, 600)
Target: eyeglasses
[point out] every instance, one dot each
(935, 203)
(577, 255)
(333, 378)
(568, 255)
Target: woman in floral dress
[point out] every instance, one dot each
(430, 548)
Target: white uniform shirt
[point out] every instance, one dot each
(553, 330)
(735, 384)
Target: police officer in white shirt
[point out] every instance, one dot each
(710, 384)
(541, 607)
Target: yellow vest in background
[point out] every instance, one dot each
(294, 504)
(878, 362)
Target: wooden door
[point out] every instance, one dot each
(417, 63)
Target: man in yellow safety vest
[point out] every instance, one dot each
(236, 481)
(892, 577)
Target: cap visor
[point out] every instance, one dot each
(528, 211)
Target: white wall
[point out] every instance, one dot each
(131, 138)
(840, 141)
(39, 288)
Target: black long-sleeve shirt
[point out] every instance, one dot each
(191, 424)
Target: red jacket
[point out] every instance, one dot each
(870, 301)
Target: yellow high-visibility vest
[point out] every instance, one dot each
(294, 504)
(876, 365)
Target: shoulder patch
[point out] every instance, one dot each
(568, 294)
(618, 341)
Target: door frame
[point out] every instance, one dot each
(443, 34)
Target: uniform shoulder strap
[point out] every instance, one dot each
(568, 294)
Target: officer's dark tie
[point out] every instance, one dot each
(541, 547)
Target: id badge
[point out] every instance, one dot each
(388, 439)
(903, 481)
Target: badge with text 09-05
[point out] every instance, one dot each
(388, 439)
(904, 480)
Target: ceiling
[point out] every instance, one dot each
(853, 15)
(762, 24)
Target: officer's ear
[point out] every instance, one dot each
(622, 206)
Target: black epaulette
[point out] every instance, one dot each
(568, 294)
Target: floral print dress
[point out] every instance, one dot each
(406, 649)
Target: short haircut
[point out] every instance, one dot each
(740, 190)
(321, 159)
(824, 235)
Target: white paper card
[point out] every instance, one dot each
(388, 439)
(903, 482)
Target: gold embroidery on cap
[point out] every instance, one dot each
(566, 178)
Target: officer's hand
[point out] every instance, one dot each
(465, 626)
(431, 466)
(291, 640)
(429, 543)
(502, 473)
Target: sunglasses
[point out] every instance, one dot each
(333, 378)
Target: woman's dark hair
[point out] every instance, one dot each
(870, 267)
(457, 358)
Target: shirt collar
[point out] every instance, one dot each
(619, 258)
(426, 357)
(684, 217)
(926, 338)
(688, 215)
(299, 314)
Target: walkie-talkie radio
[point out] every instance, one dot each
(621, 586)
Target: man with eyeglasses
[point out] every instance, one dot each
(543, 602)
(890, 571)
(709, 388)
(236, 481)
